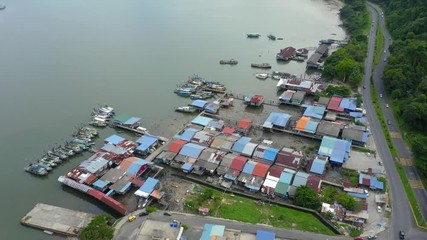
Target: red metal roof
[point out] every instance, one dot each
(91, 179)
(313, 182)
(366, 181)
(238, 163)
(288, 159)
(257, 99)
(276, 171)
(244, 123)
(228, 130)
(287, 52)
(260, 169)
(137, 182)
(96, 194)
(176, 146)
(334, 104)
(118, 206)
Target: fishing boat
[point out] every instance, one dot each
(253, 35)
(36, 169)
(326, 41)
(49, 163)
(261, 75)
(201, 95)
(271, 37)
(44, 165)
(98, 122)
(260, 65)
(186, 109)
(230, 61)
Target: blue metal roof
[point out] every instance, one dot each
(201, 120)
(270, 154)
(191, 150)
(145, 142)
(187, 166)
(356, 114)
(187, 135)
(286, 177)
(100, 184)
(375, 184)
(300, 179)
(278, 119)
(240, 144)
(249, 167)
(149, 185)
(358, 195)
(132, 120)
(199, 103)
(318, 166)
(337, 149)
(361, 119)
(136, 166)
(126, 187)
(218, 125)
(311, 126)
(348, 103)
(212, 107)
(315, 111)
(265, 235)
(114, 139)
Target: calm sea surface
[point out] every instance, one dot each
(58, 59)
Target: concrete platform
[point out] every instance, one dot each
(56, 219)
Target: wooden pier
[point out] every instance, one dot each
(57, 220)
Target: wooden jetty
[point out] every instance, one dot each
(57, 220)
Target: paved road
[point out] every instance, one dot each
(402, 218)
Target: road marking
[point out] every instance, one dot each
(395, 135)
(405, 161)
(416, 184)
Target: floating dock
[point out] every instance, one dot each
(56, 219)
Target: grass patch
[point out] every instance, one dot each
(362, 149)
(352, 176)
(228, 206)
(355, 232)
(150, 209)
(410, 194)
(379, 45)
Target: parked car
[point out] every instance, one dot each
(141, 214)
(131, 218)
(386, 105)
(388, 122)
(379, 209)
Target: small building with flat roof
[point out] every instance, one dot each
(331, 129)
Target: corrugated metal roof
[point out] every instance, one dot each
(146, 141)
(201, 120)
(375, 184)
(249, 167)
(300, 179)
(286, 177)
(301, 123)
(334, 104)
(275, 171)
(121, 119)
(191, 150)
(278, 119)
(265, 235)
(198, 103)
(318, 166)
(313, 182)
(114, 139)
(348, 103)
(228, 130)
(260, 170)
(187, 167)
(249, 149)
(187, 134)
(270, 154)
(337, 149)
(114, 149)
(315, 111)
(132, 121)
(238, 162)
(328, 128)
(244, 123)
(282, 188)
(100, 184)
(311, 126)
(176, 146)
(239, 145)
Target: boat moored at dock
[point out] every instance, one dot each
(36, 169)
(261, 75)
(186, 109)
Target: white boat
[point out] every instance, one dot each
(261, 75)
(186, 109)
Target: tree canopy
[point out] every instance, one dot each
(405, 75)
(307, 197)
(98, 229)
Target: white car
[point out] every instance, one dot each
(379, 209)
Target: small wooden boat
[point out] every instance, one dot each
(271, 37)
(261, 75)
(260, 65)
(186, 109)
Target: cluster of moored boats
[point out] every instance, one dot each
(101, 116)
(82, 140)
(198, 88)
